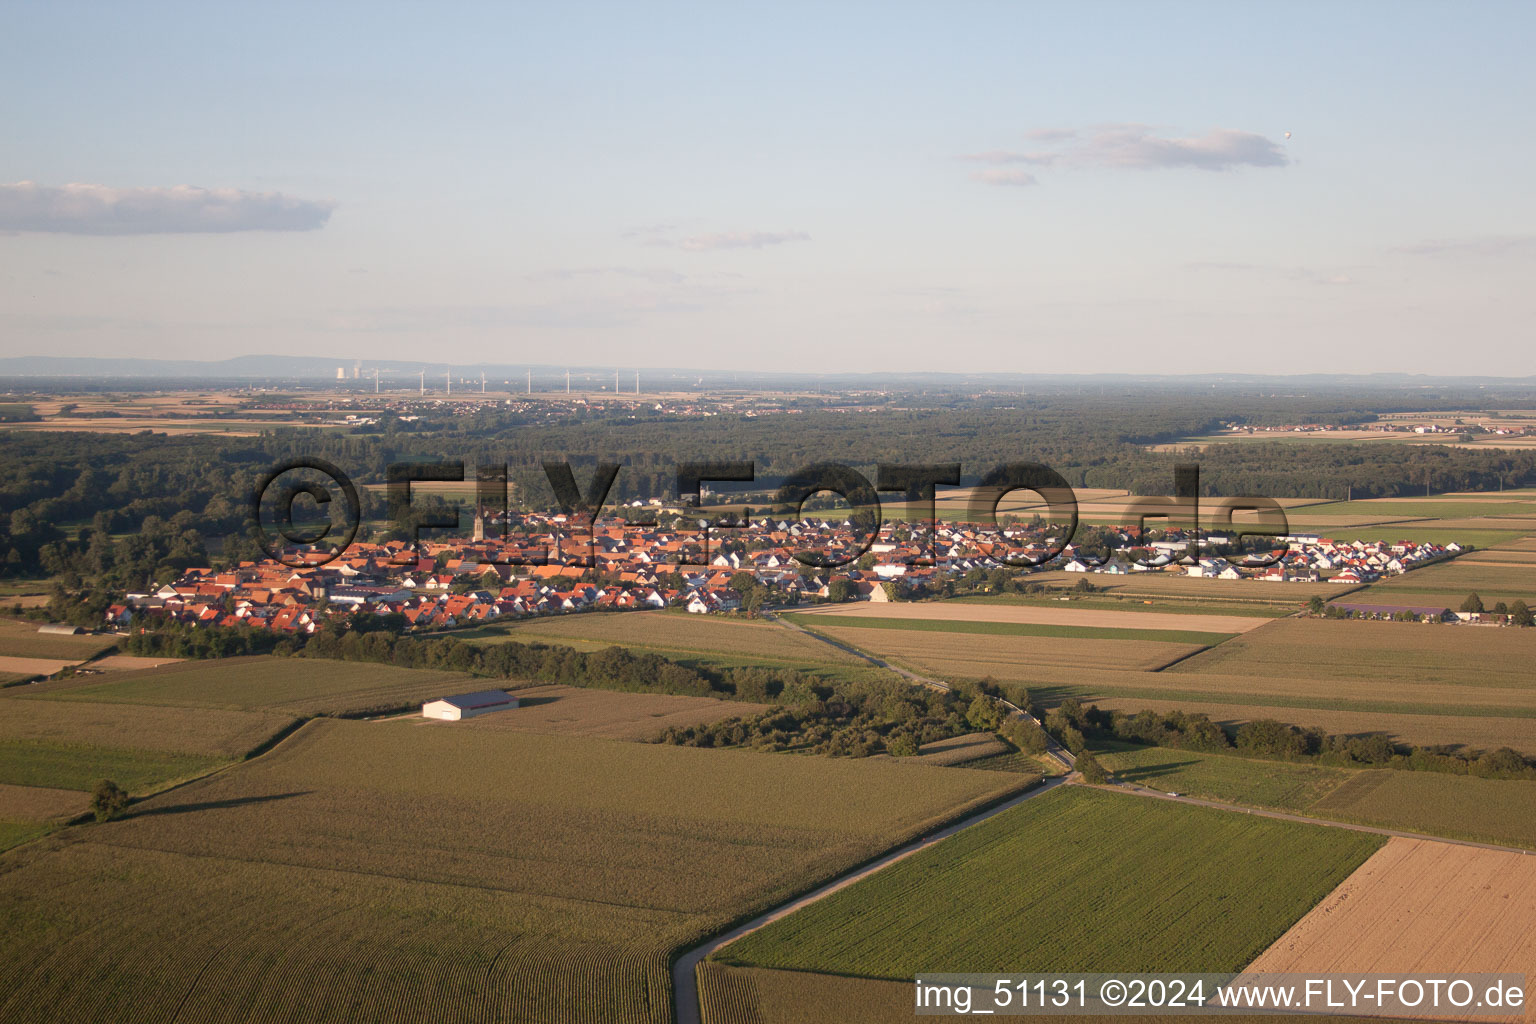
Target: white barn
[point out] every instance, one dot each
(468, 705)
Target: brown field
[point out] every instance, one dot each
(1419, 907)
(1424, 730)
(35, 803)
(605, 714)
(1376, 651)
(704, 634)
(1038, 615)
(1168, 584)
(1007, 658)
(209, 732)
(33, 666)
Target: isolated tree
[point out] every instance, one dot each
(1316, 604)
(838, 591)
(108, 800)
(1520, 613)
(1473, 603)
(1093, 773)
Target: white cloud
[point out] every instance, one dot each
(1135, 146)
(78, 209)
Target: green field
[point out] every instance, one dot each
(69, 766)
(1427, 508)
(14, 833)
(1458, 806)
(401, 871)
(292, 686)
(1278, 784)
(1166, 636)
(1078, 879)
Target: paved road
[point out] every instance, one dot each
(685, 982)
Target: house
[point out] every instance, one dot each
(468, 705)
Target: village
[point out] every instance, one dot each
(556, 565)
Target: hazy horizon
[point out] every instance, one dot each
(982, 188)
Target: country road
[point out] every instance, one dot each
(685, 983)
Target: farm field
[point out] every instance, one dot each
(290, 686)
(20, 639)
(1473, 731)
(215, 733)
(1278, 784)
(1318, 693)
(949, 655)
(1499, 811)
(23, 668)
(1128, 604)
(1419, 907)
(1059, 614)
(1376, 651)
(605, 714)
(1453, 581)
(1115, 883)
(61, 745)
(380, 871)
(761, 995)
(697, 634)
(1020, 629)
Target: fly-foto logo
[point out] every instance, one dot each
(284, 540)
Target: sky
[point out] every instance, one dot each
(1046, 187)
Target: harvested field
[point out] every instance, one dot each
(1063, 597)
(607, 714)
(1419, 907)
(1501, 811)
(33, 666)
(291, 686)
(1115, 883)
(384, 872)
(1409, 698)
(38, 803)
(214, 733)
(1007, 658)
(702, 634)
(1376, 651)
(952, 611)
